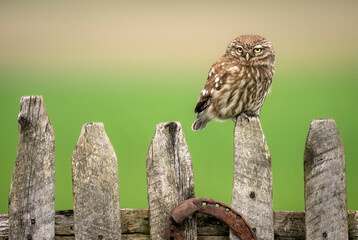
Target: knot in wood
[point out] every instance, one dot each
(24, 122)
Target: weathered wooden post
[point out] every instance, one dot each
(252, 185)
(170, 178)
(95, 186)
(325, 182)
(32, 190)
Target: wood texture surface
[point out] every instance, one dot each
(135, 225)
(32, 190)
(170, 178)
(325, 182)
(95, 186)
(252, 184)
(353, 225)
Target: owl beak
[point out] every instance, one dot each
(247, 56)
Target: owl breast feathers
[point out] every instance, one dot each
(237, 82)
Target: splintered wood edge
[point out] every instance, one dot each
(325, 172)
(35, 163)
(252, 177)
(94, 158)
(170, 178)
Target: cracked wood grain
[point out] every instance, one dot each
(170, 178)
(325, 182)
(252, 184)
(32, 190)
(95, 186)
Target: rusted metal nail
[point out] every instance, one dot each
(252, 195)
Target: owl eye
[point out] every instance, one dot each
(239, 50)
(257, 50)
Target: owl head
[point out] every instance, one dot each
(251, 50)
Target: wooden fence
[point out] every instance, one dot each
(97, 214)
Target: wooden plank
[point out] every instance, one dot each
(4, 226)
(136, 237)
(325, 182)
(213, 237)
(252, 184)
(32, 190)
(353, 225)
(95, 185)
(170, 178)
(64, 224)
(211, 226)
(288, 225)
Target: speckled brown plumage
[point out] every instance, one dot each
(237, 82)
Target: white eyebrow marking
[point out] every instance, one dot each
(258, 46)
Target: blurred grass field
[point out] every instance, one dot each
(130, 103)
(133, 65)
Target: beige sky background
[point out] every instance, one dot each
(108, 33)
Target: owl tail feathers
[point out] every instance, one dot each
(200, 124)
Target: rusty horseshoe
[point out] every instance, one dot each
(211, 207)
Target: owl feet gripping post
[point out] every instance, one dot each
(237, 82)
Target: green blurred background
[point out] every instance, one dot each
(134, 64)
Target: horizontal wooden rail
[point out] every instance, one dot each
(135, 225)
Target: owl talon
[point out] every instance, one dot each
(252, 114)
(245, 116)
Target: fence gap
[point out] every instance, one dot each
(32, 190)
(252, 184)
(325, 182)
(170, 178)
(95, 185)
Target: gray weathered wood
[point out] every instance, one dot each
(325, 182)
(289, 225)
(353, 225)
(252, 184)
(135, 225)
(4, 226)
(170, 178)
(95, 185)
(32, 190)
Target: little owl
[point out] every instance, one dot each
(237, 82)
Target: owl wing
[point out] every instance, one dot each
(217, 76)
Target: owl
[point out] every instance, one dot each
(237, 82)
